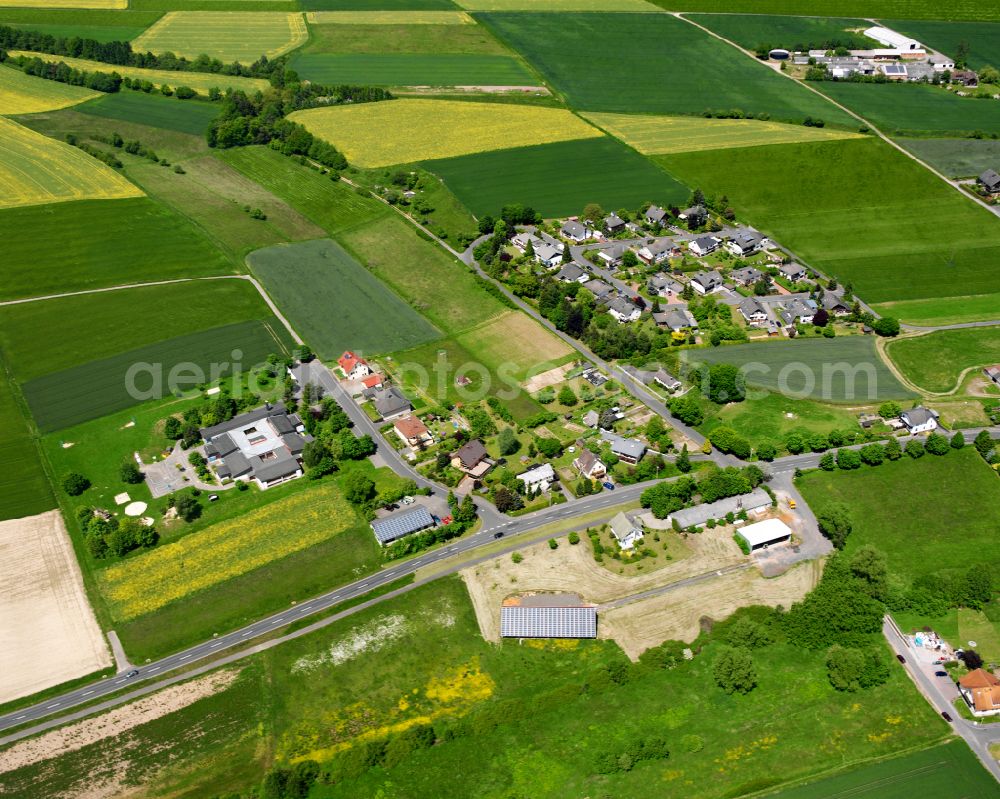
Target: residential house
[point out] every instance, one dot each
(981, 691)
(389, 402)
(413, 432)
(625, 531)
(695, 216)
(353, 367)
(598, 288)
(919, 420)
(656, 251)
(753, 310)
(589, 465)
(746, 275)
(538, 479)
(655, 215)
(704, 245)
(613, 224)
(612, 256)
(628, 450)
(793, 272)
(990, 181)
(753, 503)
(572, 273)
(547, 255)
(745, 243)
(677, 318)
(664, 286)
(591, 418)
(667, 380)
(472, 458)
(574, 231)
(993, 373)
(624, 310)
(706, 282)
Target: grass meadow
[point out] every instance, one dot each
(751, 31)
(226, 35)
(558, 179)
(883, 245)
(928, 515)
(658, 135)
(956, 158)
(913, 108)
(332, 300)
(821, 369)
(981, 37)
(182, 116)
(24, 487)
(158, 245)
(413, 69)
(315, 696)
(26, 94)
(419, 130)
(935, 361)
(651, 63)
(36, 170)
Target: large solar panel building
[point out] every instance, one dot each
(394, 527)
(518, 621)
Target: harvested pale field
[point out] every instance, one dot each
(37, 170)
(676, 615)
(114, 4)
(658, 135)
(115, 722)
(201, 82)
(418, 130)
(48, 632)
(226, 35)
(389, 18)
(573, 569)
(514, 341)
(26, 94)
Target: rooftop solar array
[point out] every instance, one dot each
(524, 622)
(390, 528)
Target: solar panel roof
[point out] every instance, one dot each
(530, 622)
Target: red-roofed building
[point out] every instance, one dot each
(353, 367)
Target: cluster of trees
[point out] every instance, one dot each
(670, 496)
(63, 73)
(107, 535)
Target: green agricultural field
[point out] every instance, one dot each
(950, 768)
(335, 207)
(414, 69)
(183, 116)
(956, 158)
(844, 369)
(983, 39)
(900, 9)
(558, 179)
(226, 35)
(91, 327)
(651, 63)
(882, 245)
(910, 509)
(94, 389)
(94, 243)
(937, 361)
(24, 488)
(436, 285)
(331, 300)
(914, 108)
(792, 33)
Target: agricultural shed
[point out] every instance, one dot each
(763, 534)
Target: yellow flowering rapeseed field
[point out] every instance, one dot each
(201, 82)
(226, 35)
(223, 551)
(35, 170)
(419, 130)
(25, 94)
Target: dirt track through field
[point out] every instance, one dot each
(48, 632)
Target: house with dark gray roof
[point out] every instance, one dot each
(264, 445)
(990, 181)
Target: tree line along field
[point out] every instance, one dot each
(914, 109)
(413, 69)
(657, 135)
(981, 38)
(558, 179)
(936, 361)
(26, 94)
(844, 369)
(750, 31)
(79, 245)
(35, 170)
(419, 130)
(182, 116)
(653, 63)
(883, 246)
(226, 35)
(331, 300)
(24, 486)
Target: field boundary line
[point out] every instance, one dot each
(995, 210)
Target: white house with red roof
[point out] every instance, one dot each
(353, 367)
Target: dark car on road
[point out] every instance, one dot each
(900, 658)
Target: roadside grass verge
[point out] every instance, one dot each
(934, 362)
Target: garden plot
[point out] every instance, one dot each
(48, 632)
(226, 35)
